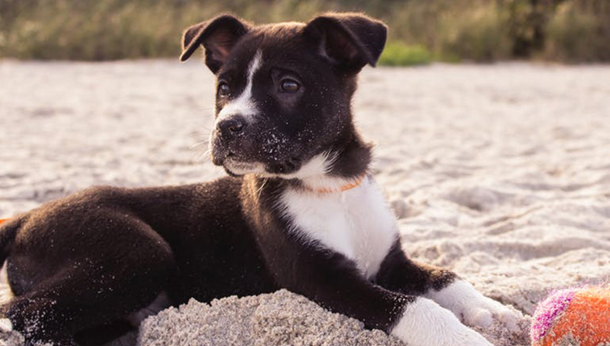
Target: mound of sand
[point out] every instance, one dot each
(280, 318)
(499, 172)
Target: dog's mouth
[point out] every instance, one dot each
(237, 166)
(233, 164)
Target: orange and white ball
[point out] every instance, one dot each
(575, 316)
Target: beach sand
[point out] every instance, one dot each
(499, 172)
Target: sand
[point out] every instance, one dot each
(281, 318)
(499, 172)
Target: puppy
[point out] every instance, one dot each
(299, 209)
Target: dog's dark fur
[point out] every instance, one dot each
(81, 265)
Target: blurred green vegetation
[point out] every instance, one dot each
(572, 31)
(397, 53)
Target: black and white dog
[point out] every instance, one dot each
(300, 210)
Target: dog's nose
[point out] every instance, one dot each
(231, 127)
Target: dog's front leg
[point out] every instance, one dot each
(334, 282)
(400, 274)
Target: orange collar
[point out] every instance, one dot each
(348, 186)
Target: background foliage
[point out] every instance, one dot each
(572, 31)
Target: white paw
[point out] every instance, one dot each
(474, 308)
(426, 323)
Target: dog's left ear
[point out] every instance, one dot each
(217, 36)
(349, 40)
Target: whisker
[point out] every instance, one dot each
(203, 155)
(260, 189)
(199, 144)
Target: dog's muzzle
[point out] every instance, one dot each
(239, 146)
(227, 139)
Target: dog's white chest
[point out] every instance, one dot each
(356, 223)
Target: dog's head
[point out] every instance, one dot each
(284, 90)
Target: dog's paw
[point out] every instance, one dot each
(487, 311)
(424, 323)
(473, 308)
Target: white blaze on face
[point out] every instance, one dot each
(243, 104)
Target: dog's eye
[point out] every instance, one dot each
(289, 86)
(223, 89)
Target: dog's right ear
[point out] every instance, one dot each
(348, 40)
(217, 36)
